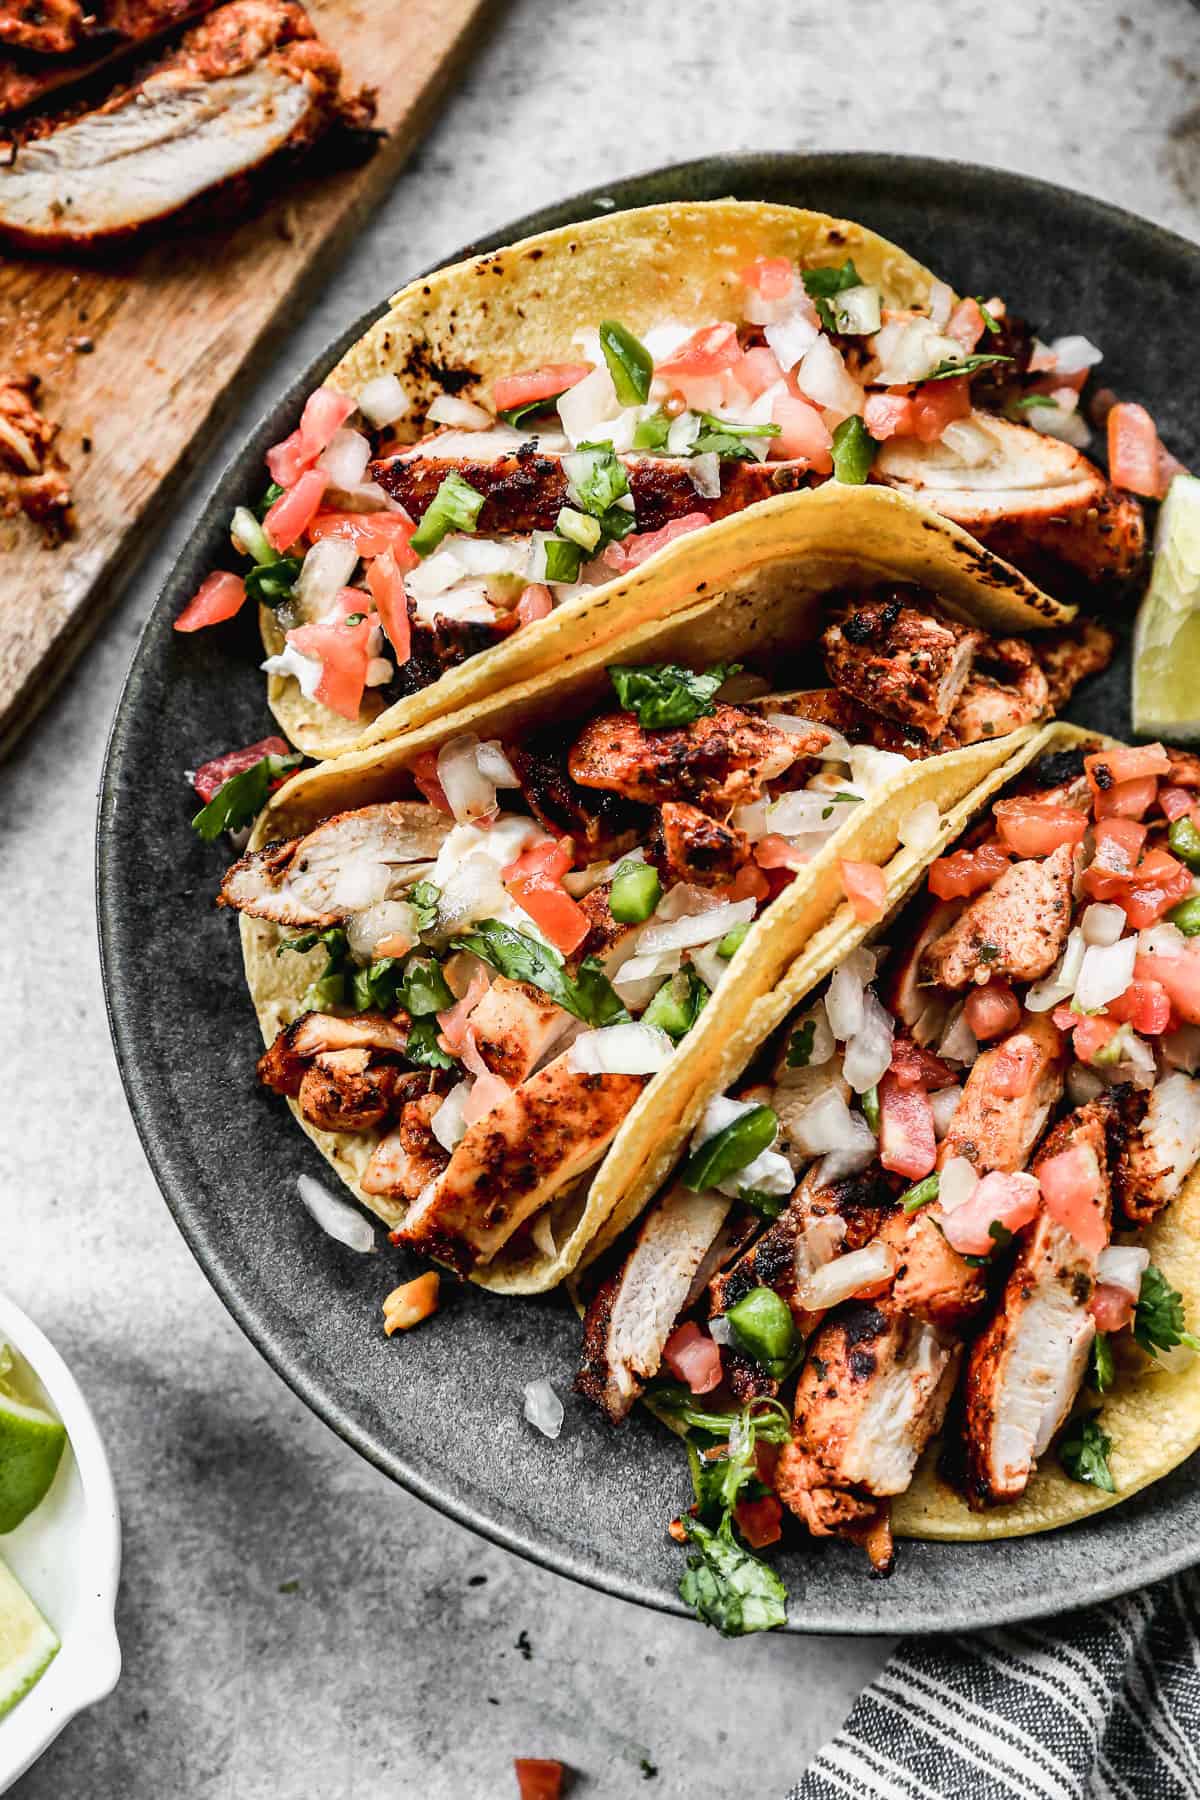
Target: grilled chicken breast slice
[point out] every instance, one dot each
(1009, 690)
(693, 847)
(343, 866)
(516, 1159)
(602, 822)
(992, 1130)
(1069, 656)
(74, 41)
(932, 1281)
(524, 484)
(1014, 931)
(872, 1393)
(918, 1005)
(1037, 502)
(344, 1090)
(313, 1034)
(513, 1026)
(634, 1311)
(718, 762)
(409, 1157)
(904, 663)
(245, 84)
(1159, 1138)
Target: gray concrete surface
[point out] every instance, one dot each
(293, 1625)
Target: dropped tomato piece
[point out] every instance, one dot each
(760, 1521)
(424, 771)
(1127, 799)
(889, 415)
(992, 1010)
(966, 324)
(1134, 452)
(998, 1206)
(546, 383)
(218, 597)
(907, 1141)
(537, 602)
(640, 546)
(757, 371)
(937, 404)
(538, 1778)
(967, 872)
(1038, 827)
(1145, 1005)
(214, 774)
(1111, 1307)
(693, 1358)
(707, 352)
(866, 888)
(1073, 1195)
(295, 510)
(770, 276)
(372, 534)
(1180, 976)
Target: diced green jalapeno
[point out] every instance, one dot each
(853, 452)
(1186, 916)
(1184, 840)
(677, 1004)
(762, 1326)
(731, 1149)
(917, 1197)
(734, 938)
(579, 528)
(635, 893)
(870, 1105)
(455, 507)
(629, 362)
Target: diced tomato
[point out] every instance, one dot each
(1134, 452)
(1118, 847)
(889, 415)
(759, 1521)
(535, 883)
(706, 352)
(1111, 1307)
(342, 651)
(1091, 1033)
(992, 1010)
(693, 1358)
(1106, 768)
(757, 371)
(1127, 799)
(937, 404)
(452, 1024)
(775, 852)
(391, 602)
(424, 771)
(803, 434)
(294, 511)
(907, 1144)
(967, 872)
(1036, 827)
(866, 888)
(288, 460)
(1012, 1072)
(1073, 1194)
(371, 534)
(1175, 802)
(546, 383)
(538, 1778)
(770, 276)
(913, 1066)
(1158, 884)
(535, 603)
(640, 546)
(1008, 1201)
(1180, 976)
(1145, 1005)
(748, 884)
(325, 412)
(214, 774)
(218, 597)
(966, 323)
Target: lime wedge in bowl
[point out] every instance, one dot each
(1166, 643)
(27, 1644)
(31, 1446)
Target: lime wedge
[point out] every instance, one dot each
(27, 1644)
(1166, 643)
(31, 1446)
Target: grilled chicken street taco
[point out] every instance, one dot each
(950, 1191)
(515, 463)
(492, 959)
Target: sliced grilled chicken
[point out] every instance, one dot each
(242, 86)
(345, 865)
(1036, 502)
(1159, 1146)
(992, 1128)
(314, 1034)
(695, 848)
(513, 1027)
(601, 822)
(409, 1157)
(516, 1159)
(607, 937)
(1026, 1368)
(344, 1090)
(872, 1393)
(71, 41)
(1009, 689)
(525, 486)
(896, 660)
(1014, 931)
(634, 1311)
(718, 762)
(33, 476)
(932, 1281)
(907, 994)
(1069, 656)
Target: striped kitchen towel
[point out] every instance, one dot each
(1102, 1704)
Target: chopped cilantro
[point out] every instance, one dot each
(242, 797)
(1159, 1322)
(587, 995)
(1084, 1453)
(822, 284)
(665, 695)
(945, 371)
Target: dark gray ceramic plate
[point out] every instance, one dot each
(441, 1411)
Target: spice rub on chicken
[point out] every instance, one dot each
(719, 762)
(1015, 931)
(904, 663)
(33, 476)
(56, 42)
(346, 863)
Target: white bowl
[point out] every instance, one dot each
(67, 1554)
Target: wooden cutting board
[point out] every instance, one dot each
(139, 355)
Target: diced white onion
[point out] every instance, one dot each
(306, 671)
(791, 337)
(379, 672)
(685, 898)
(828, 1124)
(452, 409)
(586, 405)
(385, 919)
(956, 1183)
(969, 442)
(944, 1105)
(874, 769)
(857, 310)
(911, 349)
(448, 1124)
(470, 793)
(958, 1042)
(818, 1244)
(640, 977)
(842, 1278)
(799, 811)
(336, 1217)
(844, 1006)
(1161, 940)
(1059, 984)
(494, 765)
(720, 1331)
(383, 400)
(1073, 353)
(758, 310)
(868, 1053)
(711, 967)
(767, 1173)
(837, 749)
(683, 432)
(696, 928)
(720, 1112)
(1058, 421)
(325, 571)
(345, 458)
(434, 575)
(823, 377)
(941, 303)
(1102, 924)
(822, 1045)
(1122, 1266)
(543, 1408)
(629, 1049)
(1105, 972)
(919, 828)
(705, 474)
(837, 1164)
